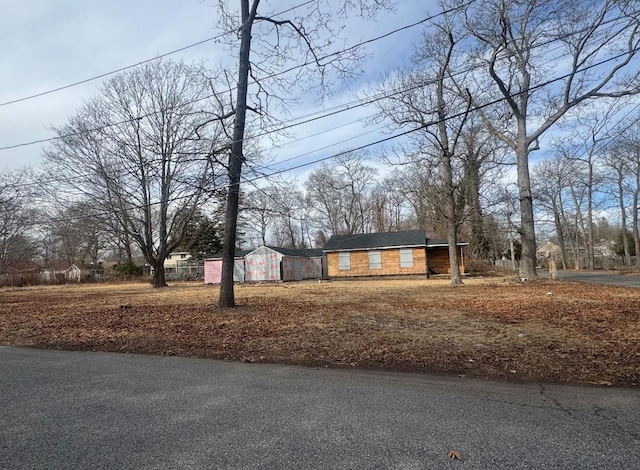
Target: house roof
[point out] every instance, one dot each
(360, 241)
(568, 245)
(369, 241)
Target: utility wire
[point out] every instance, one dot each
(350, 106)
(354, 104)
(273, 75)
(361, 147)
(137, 64)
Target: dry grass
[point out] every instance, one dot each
(560, 331)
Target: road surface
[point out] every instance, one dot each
(103, 410)
(600, 277)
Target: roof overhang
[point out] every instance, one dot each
(437, 245)
(375, 248)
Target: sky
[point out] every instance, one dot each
(54, 44)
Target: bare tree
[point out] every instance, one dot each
(341, 195)
(304, 32)
(515, 41)
(617, 164)
(138, 152)
(17, 220)
(550, 179)
(625, 158)
(276, 212)
(73, 235)
(259, 212)
(434, 107)
(389, 204)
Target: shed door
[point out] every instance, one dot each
(297, 269)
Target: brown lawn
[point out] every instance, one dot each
(561, 331)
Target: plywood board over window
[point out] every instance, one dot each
(375, 259)
(406, 258)
(344, 261)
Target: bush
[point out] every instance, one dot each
(128, 268)
(479, 267)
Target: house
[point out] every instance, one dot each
(552, 248)
(73, 273)
(175, 260)
(604, 248)
(59, 273)
(388, 253)
(267, 263)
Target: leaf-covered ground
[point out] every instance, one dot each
(567, 332)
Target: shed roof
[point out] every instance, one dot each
(237, 254)
(282, 251)
(360, 241)
(287, 251)
(312, 252)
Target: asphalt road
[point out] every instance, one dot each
(100, 410)
(600, 277)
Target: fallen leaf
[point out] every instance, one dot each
(455, 455)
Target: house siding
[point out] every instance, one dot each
(390, 263)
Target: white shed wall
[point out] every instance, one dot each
(263, 264)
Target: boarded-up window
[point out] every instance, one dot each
(406, 258)
(375, 260)
(344, 261)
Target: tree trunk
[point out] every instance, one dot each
(527, 226)
(472, 177)
(590, 251)
(227, 297)
(553, 271)
(634, 223)
(451, 218)
(623, 219)
(158, 279)
(558, 225)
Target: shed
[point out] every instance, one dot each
(73, 273)
(387, 253)
(213, 267)
(267, 263)
(270, 263)
(312, 264)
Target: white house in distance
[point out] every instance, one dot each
(174, 260)
(267, 263)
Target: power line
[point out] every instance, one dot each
(361, 147)
(273, 75)
(137, 64)
(349, 106)
(357, 103)
(353, 104)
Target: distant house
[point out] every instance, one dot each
(552, 248)
(388, 253)
(73, 273)
(267, 263)
(59, 273)
(175, 260)
(604, 248)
